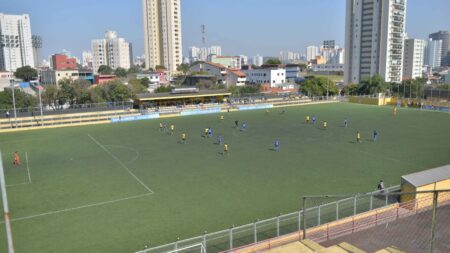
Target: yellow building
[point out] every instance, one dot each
(428, 180)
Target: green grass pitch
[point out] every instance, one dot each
(117, 187)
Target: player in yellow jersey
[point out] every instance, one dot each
(172, 129)
(160, 126)
(222, 117)
(358, 137)
(307, 119)
(325, 125)
(394, 111)
(206, 133)
(225, 149)
(183, 138)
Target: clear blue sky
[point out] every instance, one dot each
(239, 26)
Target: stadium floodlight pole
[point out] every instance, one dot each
(6, 208)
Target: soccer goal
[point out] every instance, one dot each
(195, 248)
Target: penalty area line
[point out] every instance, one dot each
(79, 207)
(121, 163)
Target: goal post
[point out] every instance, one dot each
(195, 248)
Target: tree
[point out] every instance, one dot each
(372, 85)
(23, 100)
(120, 72)
(350, 89)
(145, 81)
(319, 86)
(273, 61)
(26, 73)
(118, 92)
(51, 97)
(134, 69)
(105, 70)
(136, 86)
(184, 68)
(163, 89)
(74, 91)
(160, 67)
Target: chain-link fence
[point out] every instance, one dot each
(289, 225)
(419, 222)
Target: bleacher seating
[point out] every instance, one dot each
(309, 246)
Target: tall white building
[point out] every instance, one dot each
(162, 33)
(311, 52)
(258, 60)
(217, 50)
(86, 59)
(16, 47)
(374, 39)
(413, 58)
(433, 49)
(111, 51)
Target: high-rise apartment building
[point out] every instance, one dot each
(311, 53)
(433, 50)
(162, 33)
(330, 44)
(112, 51)
(86, 60)
(258, 60)
(16, 46)
(413, 58)
(445, 49)
(374, 39)
(217, 50)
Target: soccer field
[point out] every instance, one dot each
(118, 187)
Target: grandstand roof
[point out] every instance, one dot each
(428, 176)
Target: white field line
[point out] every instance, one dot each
(28, 167)
(79, 207)
(121, 163)
(12, 185)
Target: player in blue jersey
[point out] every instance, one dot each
(277, 145)
(219, 140)
(244, 126)
(375, 135)
(345, 122)
(314, 119)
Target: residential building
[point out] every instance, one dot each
(5, 79)
(215, 69)
(329, 44)
(111, 51)
(258, 60)
(216, 50)
(327, 68)
(272, 76)
(292, 72)
(153, 78)
(288, 56)
(374, 39)
(227, 61)
(311, 52)
(87, 59)
(53, 77)
(62, 62)
(432, 57)
(16, 45)
(36, 41)
(244, 60)
(139, 60)
(445, 48)
(194, 54)
(235, 77)
(102, 79)
(413, 58)
(162, 33)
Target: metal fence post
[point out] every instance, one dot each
(231, 237)
(386, 199)
(371, 201)
(255, 232)
(299, 221)
(433, 220)
(278, 225)
(354, 205)
(176, 243)
(204, 239)
(337, 210)
(318, 215)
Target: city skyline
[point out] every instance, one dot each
(125, 17)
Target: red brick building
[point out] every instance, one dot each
(62, 62)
